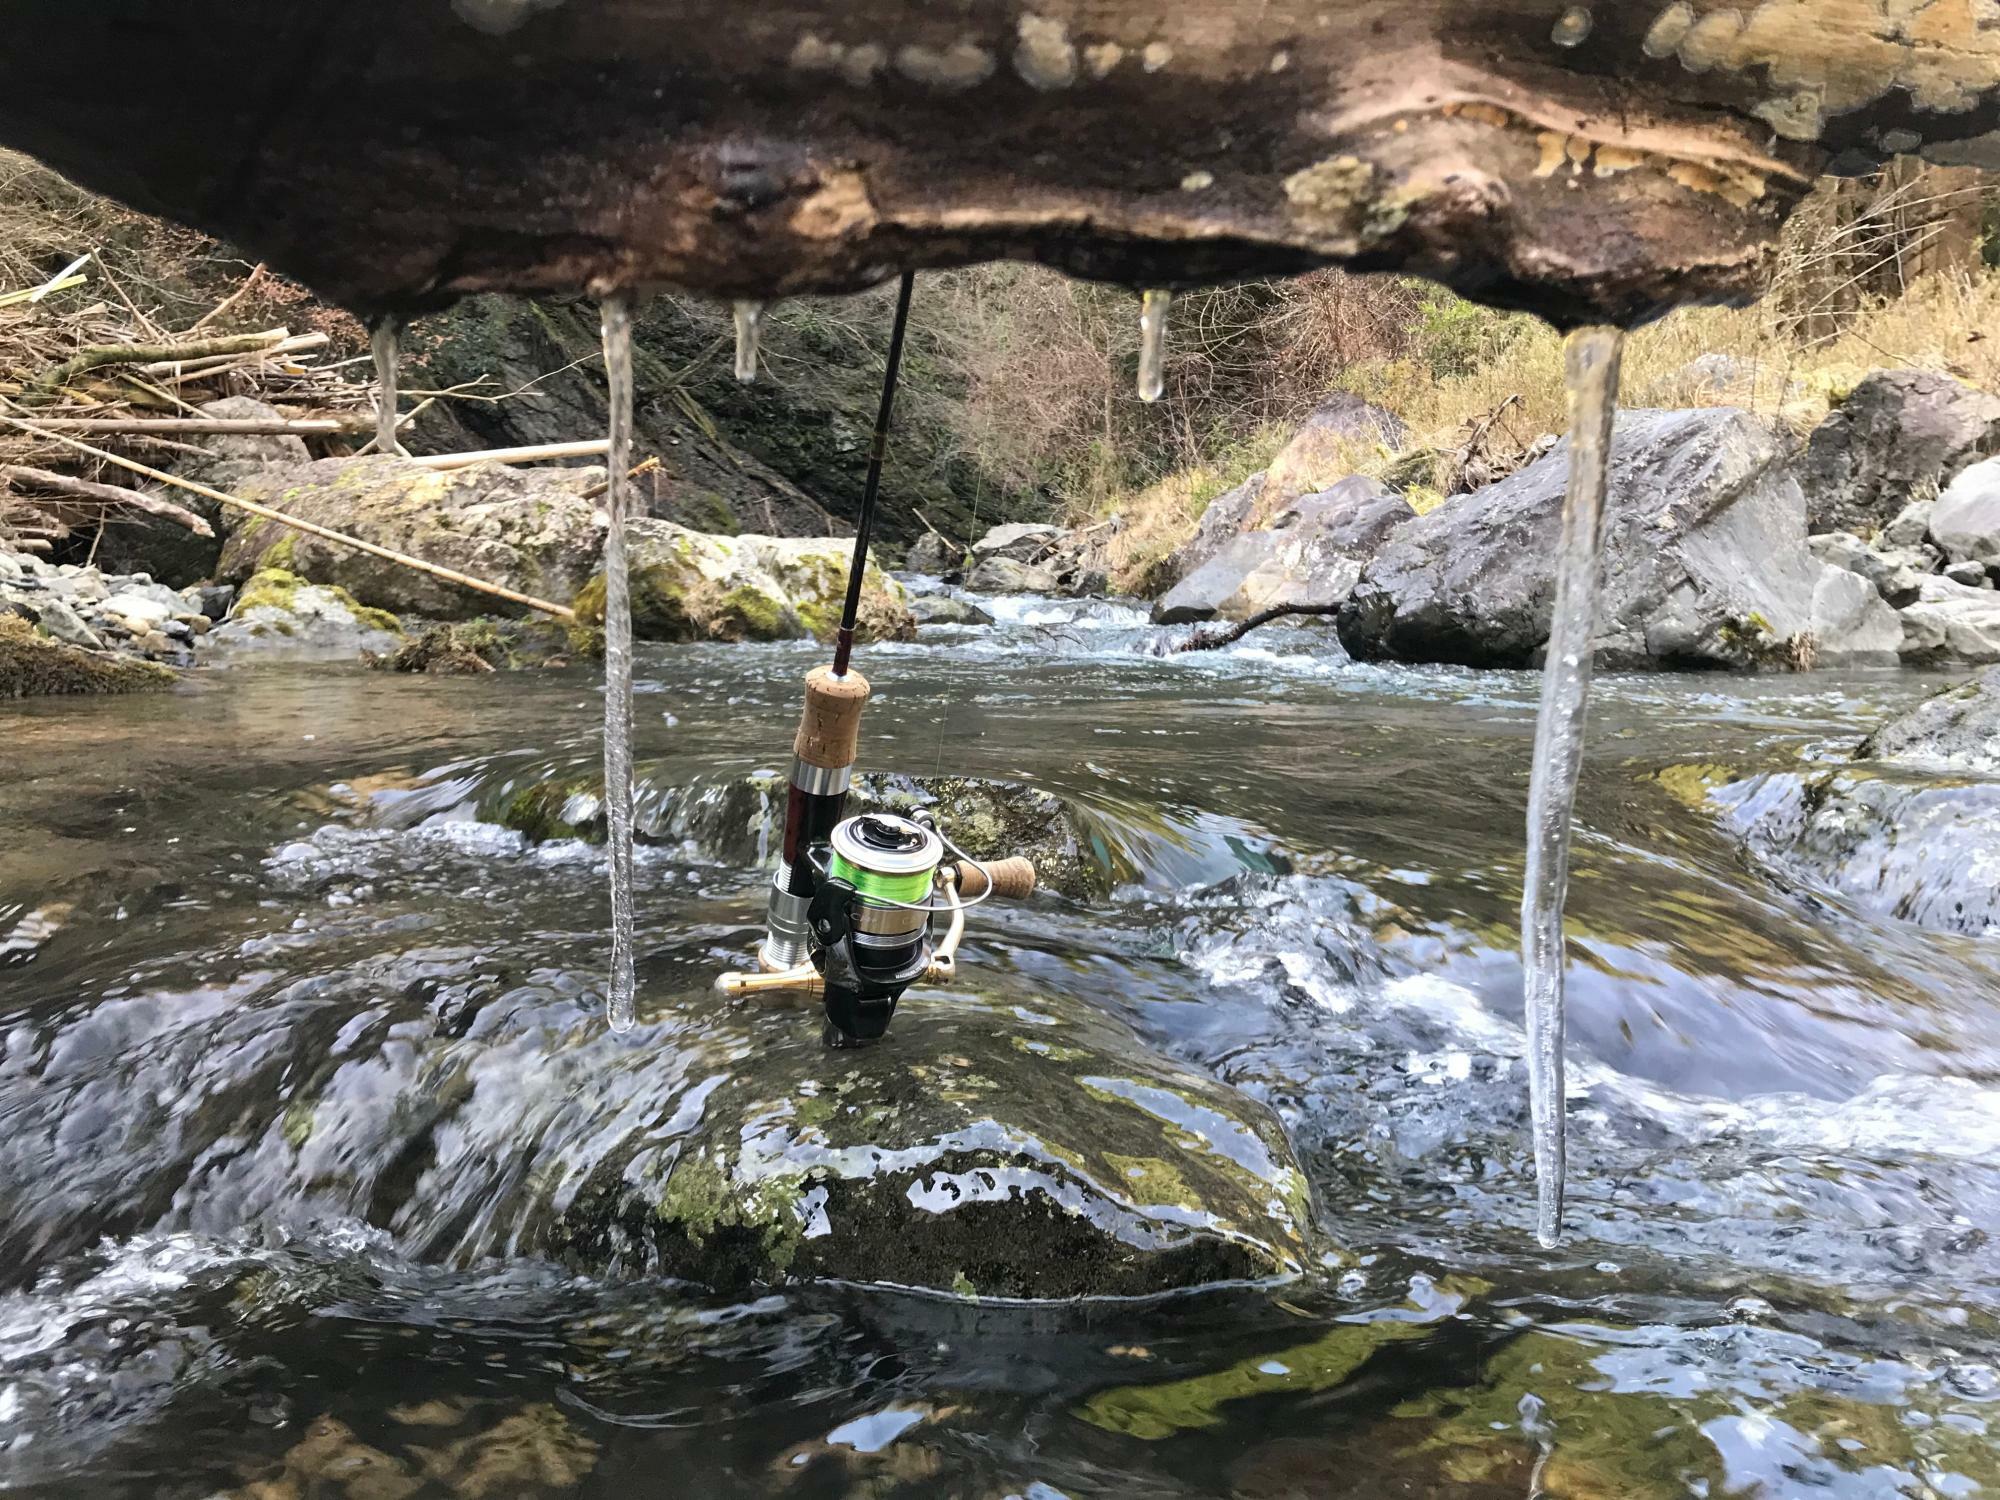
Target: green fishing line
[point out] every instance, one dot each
(911, 888)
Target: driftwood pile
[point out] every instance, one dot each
(80, 359)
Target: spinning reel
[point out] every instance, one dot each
(879, 884)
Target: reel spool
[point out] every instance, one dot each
(870, 921)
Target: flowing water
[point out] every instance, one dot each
(286, 1008)
(619, 1002)
(1592, 357)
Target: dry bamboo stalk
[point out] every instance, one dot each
(208, 426)
(23, 477)
(594, 448)
(298, 343)
(401, 559)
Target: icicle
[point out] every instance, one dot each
(382, 336)
(1592, 357)
(618, 1005)
(749, 335)
(1153, 344)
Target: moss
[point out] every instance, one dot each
(269, 588)
(282, 553)
(1691, 784)
(746, 612)
(962, 1284)
(475, 647)
(702, 1202)
(660, 609)
(537, 812)
(1152, 1180)
(32, 666)
(297, 1124)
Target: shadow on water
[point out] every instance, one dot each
(257, 1239)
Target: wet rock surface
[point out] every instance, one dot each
(988, 1149)
(1911, 829)
(1965, 523)
(1706, 563)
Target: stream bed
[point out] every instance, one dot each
(1780, 1276)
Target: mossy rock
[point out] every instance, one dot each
(33, 666)
(696, 586)
(476, 647)
(987, 1149)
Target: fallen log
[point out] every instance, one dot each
(69, 487)
(539, 453)
(1591, 162)
(208, 426)
(1215, 640)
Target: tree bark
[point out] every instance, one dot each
(1593, 161)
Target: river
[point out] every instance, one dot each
(1779, 1279)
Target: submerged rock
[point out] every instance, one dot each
(1309, 555)
(278, 616)
(535, 531)
(1898, 433)
(691, 586)
(740, 821)
(1705, 563)
(1910, 830)
(989, 1149)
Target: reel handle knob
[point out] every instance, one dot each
(1010, 879)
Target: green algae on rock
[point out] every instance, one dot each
(694, 586)
(972, 1165)
(33, 666)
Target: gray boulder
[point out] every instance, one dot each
(531, 530)
(172, 554)
(1908, 830)
(1004, 575)
(1951, 623)
(1310, 555)
(1324, 450)
(1022, 542)
(1898, 434)
(1705, 562)
(1228, 516)
(1972, 575)
(945, 609)
(1966, 520)
(1911, 526)
(1898, 576)
(279, 617)
(932, 554)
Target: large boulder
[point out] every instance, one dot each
(280, 617)
(1898, 434)
(536, 531)
(1310, 556)
(173, 554)
(1951, 622)
(1705, 562)
(693, 586)
(1004, 575)
(1020, 541)
(1965, 523)
(1227, 517)
(932, 554)
(1325, 449)
(1029, 1150)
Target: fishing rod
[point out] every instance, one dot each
(854, 903)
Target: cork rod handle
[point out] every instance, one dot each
(830, 732)
(1009, 879)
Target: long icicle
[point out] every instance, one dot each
(383, 338)
(1592, 358)
(619, 1008)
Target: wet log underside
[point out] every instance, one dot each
(1587, 161)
